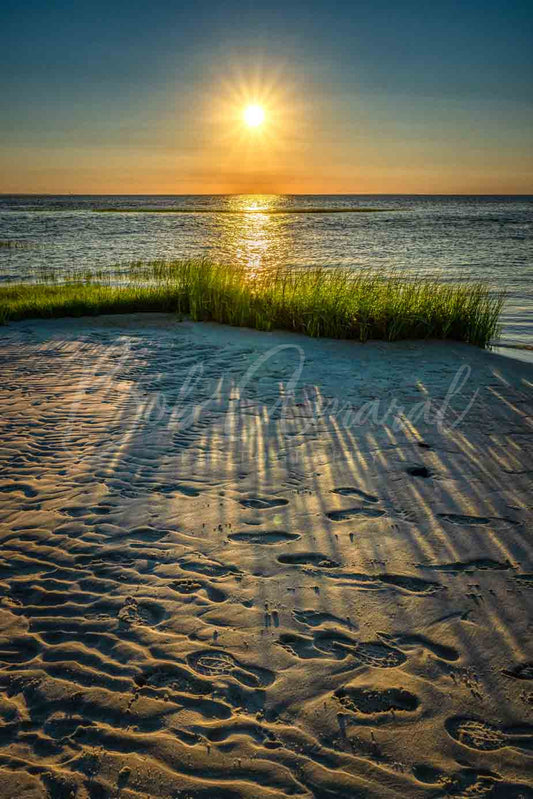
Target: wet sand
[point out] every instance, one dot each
(238, 565)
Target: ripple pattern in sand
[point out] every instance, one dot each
(192, 607)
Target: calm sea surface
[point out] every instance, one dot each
(454, 238)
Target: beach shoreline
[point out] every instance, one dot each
(444, 239)
(239, 563)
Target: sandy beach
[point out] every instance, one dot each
(238, 564)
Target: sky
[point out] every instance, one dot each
(384, 97)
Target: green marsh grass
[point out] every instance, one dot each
(338, 302)
(14, 244)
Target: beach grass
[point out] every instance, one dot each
(15, 244)
(337, 303)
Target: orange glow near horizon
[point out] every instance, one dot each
(263, 130)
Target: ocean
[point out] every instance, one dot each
(451, 237)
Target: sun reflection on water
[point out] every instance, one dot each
(256, 239)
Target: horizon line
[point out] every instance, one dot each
(268, 194)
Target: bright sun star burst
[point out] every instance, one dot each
(254, 115)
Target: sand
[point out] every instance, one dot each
(238, 565)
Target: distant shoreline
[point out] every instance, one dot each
(449, 239)
(241, 211)
(261, 194)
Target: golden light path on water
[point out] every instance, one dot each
(256, 240)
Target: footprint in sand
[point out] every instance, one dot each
(401, 582)
(379, 655)
(298, 645)
(222, 732)
(75, 511)
(460, 519)
(170, 675)
(411, 642)
(473, 521)
(264, 537)
(352, 513)
(188, 586)
(79, 511)
(263, 503)
(370, 701)
(215, 663)
(315, 618)
(351, 491)
(102, 509)
(332, 643)
(412, 585)
(485, 737)
(308, 559)
(163, 678)
(420, 471)
(141, 612)
(209, 568)
(178, 488)
(146, 533)
(364, 582)
(478, 564)
(522, 671)
(470, 782)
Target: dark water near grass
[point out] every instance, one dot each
(453, 238)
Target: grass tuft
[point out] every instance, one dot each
(15, 244)
(338, 303)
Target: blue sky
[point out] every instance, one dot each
(126, 97)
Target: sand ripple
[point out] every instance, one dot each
(208, 594)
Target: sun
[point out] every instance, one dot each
(254, 115)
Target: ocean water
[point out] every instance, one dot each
(453, 238)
